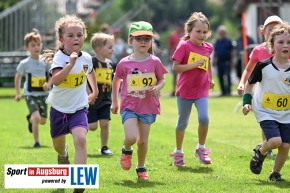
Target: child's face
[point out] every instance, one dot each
(282, 45)
(34, 48)
(199, 33)
(73, 38)
(107, 50)
(141, 44)
(268, 29)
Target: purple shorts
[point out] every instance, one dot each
(63, 123)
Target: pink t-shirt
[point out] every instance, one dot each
(259, 53)
(192, 84)
(142, 101)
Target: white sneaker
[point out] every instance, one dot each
(106, 151)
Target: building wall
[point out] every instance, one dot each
(252, 17)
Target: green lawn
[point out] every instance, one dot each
(232, 136)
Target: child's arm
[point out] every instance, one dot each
(115, 90)
(211, 86)
(17, 82)
(245, 76)
(95, 91)
(247, 98)
(58, 75)
(177, 67)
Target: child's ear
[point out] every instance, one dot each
(98, 49)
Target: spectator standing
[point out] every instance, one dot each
(224, 51)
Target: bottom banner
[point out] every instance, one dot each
(51, 176)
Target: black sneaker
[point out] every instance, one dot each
(78, 190)
(106, 151)
(275, 177)
(36, 145)
(257, 160)
(29, 124)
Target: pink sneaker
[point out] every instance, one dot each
(142, 174)
(202, 154)
(178, 159)
(126, 159)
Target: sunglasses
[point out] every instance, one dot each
(145, 39)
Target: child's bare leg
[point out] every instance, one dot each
(79, 137)
(104, 134)
(59, 145)
(142, 142)
(131, 132)
(281, 157)
(35, 121)
(202, 133)
(179, 134)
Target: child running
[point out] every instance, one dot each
(271, 101)
(68, 98)
(36, 84)
(100, 111)
(191, 60)
(142, 75)
(259, 53)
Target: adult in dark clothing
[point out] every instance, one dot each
(224, 51)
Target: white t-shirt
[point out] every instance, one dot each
(71, 94)
(271, 97)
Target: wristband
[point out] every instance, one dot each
(247, 99)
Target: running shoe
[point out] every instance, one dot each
(178, 159)
(202, 154)
(126, 159)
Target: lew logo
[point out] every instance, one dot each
(84, 175)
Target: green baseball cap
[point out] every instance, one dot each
(141, 28)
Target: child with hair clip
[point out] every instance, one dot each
(191, 60)
(271, 101)
(68, 98)
(259, 53)
(142, 74)
(102, 44)
(36, 85)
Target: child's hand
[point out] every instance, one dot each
(18, 97)
(114, 108)
(46, 86)
(240, 89)
(199, 63)
(73, 58)
(91, 99)
(246, 109)
(153, 91)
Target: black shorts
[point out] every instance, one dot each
(273, 128)
(97, 114)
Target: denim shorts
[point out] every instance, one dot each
(145, 118)
(63, 123)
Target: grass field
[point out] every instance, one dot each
(231, 136)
